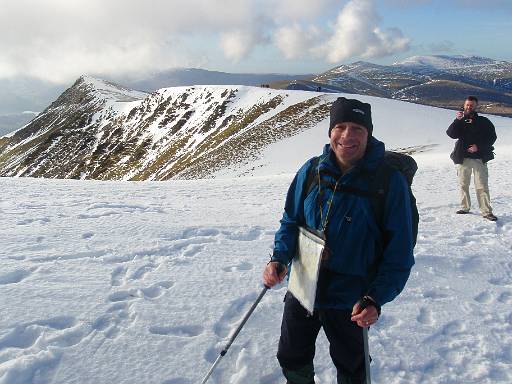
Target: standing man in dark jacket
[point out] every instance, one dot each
(348, 295)
(473, 149)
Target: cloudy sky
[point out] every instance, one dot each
(58, 40)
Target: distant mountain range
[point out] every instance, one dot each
(441, 81)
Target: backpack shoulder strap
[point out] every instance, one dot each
(379, 184)
(310, 180)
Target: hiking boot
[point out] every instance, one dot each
(461, 212)
(490, 217)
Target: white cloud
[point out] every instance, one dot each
(294, 41)
(286, 11)
(236, 45)
(58, 40)
(357, 33)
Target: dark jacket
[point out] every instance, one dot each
(353, 235)
(480, 131)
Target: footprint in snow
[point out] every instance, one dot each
(484, 297)
(151, 292)
(473, 264)
(141, 271)
(233, 314)
(428, 219)
(117, 275)
(178, 380)
(212, 353)
(179, 262)
(117, 317)
(16, 276)
(25, 335)
(59, 322)
(248, 235)
(453, 328)
(388, 321)
(21, 337)
(192, 250)
(43, 220)
(243, 266)
(435, 294)
(500, 281)
(123, 295)
(505, 298)
(157, 289)
(426, 317)
(199, 232)
(179, 331)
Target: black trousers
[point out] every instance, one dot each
(299, 331)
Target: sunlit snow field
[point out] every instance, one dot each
(142, 282)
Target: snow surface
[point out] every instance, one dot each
(143, 282)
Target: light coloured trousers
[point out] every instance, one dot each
(479, 169)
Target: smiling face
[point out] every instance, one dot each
(348, 142)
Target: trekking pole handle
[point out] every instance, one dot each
(279, 269)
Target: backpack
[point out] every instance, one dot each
(379, 186)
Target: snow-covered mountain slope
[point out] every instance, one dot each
(440, 80)
(143, 282)
(98, 130)
(445, 62)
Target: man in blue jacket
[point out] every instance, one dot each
(362, 270)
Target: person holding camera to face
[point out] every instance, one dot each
(475, 136)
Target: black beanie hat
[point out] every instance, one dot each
(351, 110)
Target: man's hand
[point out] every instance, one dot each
(274, 273)
(364, 317)
(459, 115)
(473, 148)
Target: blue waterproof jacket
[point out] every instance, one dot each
(353, 236)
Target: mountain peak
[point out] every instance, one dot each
(445, 61)
(107, 89)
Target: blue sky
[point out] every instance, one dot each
(461, 27)
(58, 40)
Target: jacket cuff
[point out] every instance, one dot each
(279, 257)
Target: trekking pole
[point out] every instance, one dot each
(280, 268)
(225, 350)
(366, 356)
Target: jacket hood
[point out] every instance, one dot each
(373, 155)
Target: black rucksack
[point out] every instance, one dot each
(379, 186)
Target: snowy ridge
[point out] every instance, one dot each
(97, 130)
(443, 62)
(101, 131)
(111, 91)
